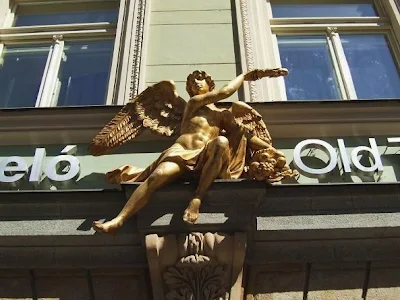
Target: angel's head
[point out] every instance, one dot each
(199, 82)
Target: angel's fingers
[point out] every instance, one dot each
(279, 72)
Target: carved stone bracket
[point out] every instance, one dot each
(198, 266)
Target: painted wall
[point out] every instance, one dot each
(189, 35)
(4, 4)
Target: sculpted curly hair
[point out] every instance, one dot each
(198, 75)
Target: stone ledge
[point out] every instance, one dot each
(62, 125)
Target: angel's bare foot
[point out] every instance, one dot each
(107, 227)
(191, 213)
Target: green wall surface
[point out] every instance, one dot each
(188, 35)
(143, 153)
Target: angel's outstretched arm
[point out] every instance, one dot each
(230, 88)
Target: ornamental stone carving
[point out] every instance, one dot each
(196, 266)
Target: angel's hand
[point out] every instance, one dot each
(261, 73)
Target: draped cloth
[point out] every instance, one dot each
(192, 161)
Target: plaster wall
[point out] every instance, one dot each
(4, 4)
(189, 35)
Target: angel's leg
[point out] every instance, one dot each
(216, 166)
(162, 175)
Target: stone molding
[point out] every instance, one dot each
(248, 46)
(136, 61)
(199, 266)
(62, 125)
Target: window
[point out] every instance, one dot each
(335, 49)
(57, 54)
(59, 13)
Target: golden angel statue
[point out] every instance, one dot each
(213, 143)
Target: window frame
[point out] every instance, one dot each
(387, 22)
(56, 35)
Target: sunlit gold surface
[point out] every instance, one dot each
(212, 142)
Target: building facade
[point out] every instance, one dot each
(332, 232)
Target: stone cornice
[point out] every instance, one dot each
(60, 125)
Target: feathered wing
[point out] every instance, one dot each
(248, 118)
(158, 108)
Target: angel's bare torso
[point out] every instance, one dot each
(202, 125)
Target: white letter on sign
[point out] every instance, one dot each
(16, 168)
(319, 144)
(372, 152)
(61, 162)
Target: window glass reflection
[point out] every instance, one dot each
(282, 10)
(311, 74)
(67, 18)
(21, 71)
(374, 72)
(84, 71)
(52, 14)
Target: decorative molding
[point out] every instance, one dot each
(62, 125)
(332, 31)
(58, 37)
(248, 46)
(140, 10)
(196, 275)
(196, 265)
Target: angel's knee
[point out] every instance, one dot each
(157, 177)
(221, 144)
(219, 150)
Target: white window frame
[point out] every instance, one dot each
(55, 35)
(265, 31)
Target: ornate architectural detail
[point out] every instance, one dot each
(58, 37)
(207, 282)
(196, 275)
(196, 266)
(331, 31)
(248, 46)
(137, 47)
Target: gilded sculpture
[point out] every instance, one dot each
(213, 142)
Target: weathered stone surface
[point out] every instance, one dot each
(384, 281)
(279, 285)
(61, 284)
(119, 284)
(15, 284)
(336, 282)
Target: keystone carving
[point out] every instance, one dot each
(196, 266)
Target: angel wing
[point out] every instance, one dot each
(251, 120)
(158, 108)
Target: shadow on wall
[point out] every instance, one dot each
(75, 284)
(325, 281)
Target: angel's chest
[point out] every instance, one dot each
(207, 118)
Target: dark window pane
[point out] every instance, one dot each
(52, 14)
(311, 74)
(21, 72)
(375, 74)
(349, 9)
(67, 18)
(84, 72)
